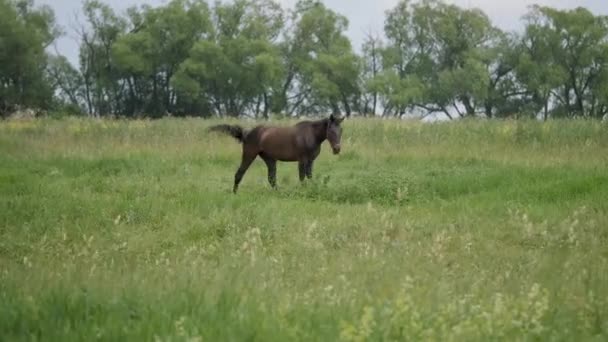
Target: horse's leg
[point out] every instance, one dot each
(309, 169)
(302, 165)
(312, 162)
(272, 169)
(247, 158)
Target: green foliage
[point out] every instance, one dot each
(101, 77)
(25, 32)
(67, 82)
(238, 65)
(256, 58)
(472, 230)
(321, 68)
(371, 65)
(448, 48)
(469, 67)
(152, 53)
(564, 58)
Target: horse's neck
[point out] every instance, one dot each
(320, 129)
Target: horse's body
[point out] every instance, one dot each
(298, 143)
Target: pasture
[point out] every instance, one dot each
(464, 231)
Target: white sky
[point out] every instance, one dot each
(363, 15)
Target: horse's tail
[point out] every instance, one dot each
(234, 131)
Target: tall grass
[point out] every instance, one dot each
(472, 230)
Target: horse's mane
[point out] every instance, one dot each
(322, 121)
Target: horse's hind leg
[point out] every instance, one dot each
(272, 169)
(247, 158)
(311, 162)
(302, 166)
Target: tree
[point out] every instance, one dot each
(25, 33)
(406, 57)
(440, 58)
(67, 82)
(236, 70)
(322, 71)
(159, 42)
(371, 68)
(505, 95)
(103, 89)
(565, 58)
(250, 57)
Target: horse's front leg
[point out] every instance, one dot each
(309, 169)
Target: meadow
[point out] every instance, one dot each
(462, 231)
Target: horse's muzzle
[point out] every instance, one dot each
(336, 149)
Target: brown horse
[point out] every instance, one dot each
(300, 142)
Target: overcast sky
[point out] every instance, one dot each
(363, 15)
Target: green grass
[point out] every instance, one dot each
(473, 230)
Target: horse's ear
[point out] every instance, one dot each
(337, 120)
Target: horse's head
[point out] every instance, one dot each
(334, 133)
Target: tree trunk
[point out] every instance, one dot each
(335, 108)
(266, 106)
(132, 102)
(567, 100)
(154, 95)
(346, 106)
(488, 109)
(466, 101)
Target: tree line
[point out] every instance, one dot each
(255, 58)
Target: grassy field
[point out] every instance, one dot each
(474, 230)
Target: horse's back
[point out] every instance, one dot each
(276, 134)
(278, 142)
